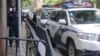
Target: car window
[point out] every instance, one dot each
(84, 17)
(44, 15)
(53, 15)
(62, 17)
(59, 16)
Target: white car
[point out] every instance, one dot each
(27, 12)
(77, 29)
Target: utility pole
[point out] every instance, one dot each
(3, 25)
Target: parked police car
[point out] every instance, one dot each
(78, 29)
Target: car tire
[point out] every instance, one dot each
(71, 49)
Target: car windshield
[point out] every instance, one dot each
(84, 17)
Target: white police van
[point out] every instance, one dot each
(78, 29)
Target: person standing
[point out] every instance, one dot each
(13, 25)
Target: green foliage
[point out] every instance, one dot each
(93, 1)
(26, 3)
(98, 3)
(51, 2)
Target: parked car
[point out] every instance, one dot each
(27, 12)
(76, 29)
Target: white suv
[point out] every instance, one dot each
(78, 29)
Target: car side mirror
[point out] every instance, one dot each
(62, 21)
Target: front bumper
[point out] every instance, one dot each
(87, 48)
(87, 45)
(88, 53)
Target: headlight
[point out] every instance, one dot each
(87, 36)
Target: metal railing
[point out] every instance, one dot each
(37, 35)
(16, 52)
(41, 37)
(41, 33)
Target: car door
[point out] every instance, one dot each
(50, 25)
(60, 23)
(57, 22)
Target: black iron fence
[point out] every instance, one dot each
(38, 32)
(36, 37)
(27, 40)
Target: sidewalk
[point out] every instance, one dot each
(11, 52)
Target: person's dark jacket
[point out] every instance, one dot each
(34, 18)
(12, 19)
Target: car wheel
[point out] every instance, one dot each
(71, 49)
